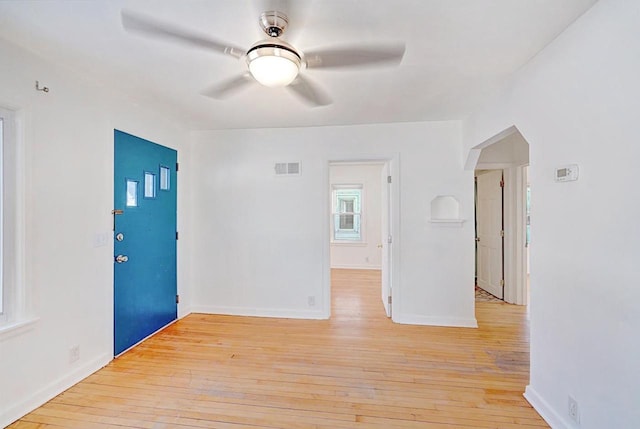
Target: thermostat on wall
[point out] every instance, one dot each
(567, 173)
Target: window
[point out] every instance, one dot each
(347, 213)
(2, 289)
(12, 296)
(132, 193)
(165, 176)
(149, 185)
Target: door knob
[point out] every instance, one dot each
(121, 259)
(477, 239)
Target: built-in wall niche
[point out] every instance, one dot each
(445, 210)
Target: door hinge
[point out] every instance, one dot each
(502, 183)
(177, 166)
(176, 235)
(177, 299)
(502, 282)
(390, 239)
(389, 299)
(502, 233)
(388, 179)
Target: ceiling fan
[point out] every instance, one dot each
(272, 62)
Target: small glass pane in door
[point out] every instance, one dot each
(149, 185)
(164, 178)
(132, 193)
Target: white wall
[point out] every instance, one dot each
(364, 255)
(67, 136)
(578, 102)
(262, 245)
(513, 150)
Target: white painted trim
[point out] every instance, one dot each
(14, 216)
(448, 222)
(53, 389)
(415, 319)
(521, 237)
(327, 230)
(184, 313)
(349, 243)
(543, 408)
(493, 165)
(259, 312)
(17, 328)
(357, 267)
(515, 275)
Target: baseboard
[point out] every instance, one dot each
(45, 394)
(259, 312)
(543, 408)
(184, 313)
(415, 319)
(357, 267)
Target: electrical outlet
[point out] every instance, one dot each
(312, 301)
(74, 354)
(573, 410)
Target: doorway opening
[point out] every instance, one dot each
(502, 218)
(489, 223)
(359, 242)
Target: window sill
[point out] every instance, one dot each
(17, 328)
(349, 243)
(448, 222)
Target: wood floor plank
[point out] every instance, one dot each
(356, 370)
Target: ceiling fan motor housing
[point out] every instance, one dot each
(273, 23)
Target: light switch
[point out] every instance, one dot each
(100, 239)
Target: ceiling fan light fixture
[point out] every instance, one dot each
(273, 64)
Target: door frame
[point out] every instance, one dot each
(514, 213)
(502, 223)
(392, 163)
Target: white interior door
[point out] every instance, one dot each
(385, 246)
(489, 234)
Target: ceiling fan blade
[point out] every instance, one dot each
(355, 56)
(229, 87)
(309, 92)
(136, 23)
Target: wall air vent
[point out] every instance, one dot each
(287, 169)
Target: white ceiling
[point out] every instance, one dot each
(457, 51)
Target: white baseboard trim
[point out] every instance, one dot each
(184, 313)
(543, 408)
(357, 267)
(50, 391)
(415, 319)
(260, 312)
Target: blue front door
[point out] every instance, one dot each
(144, 269)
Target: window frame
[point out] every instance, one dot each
(357, 213)
(15, 312)
(4, 298)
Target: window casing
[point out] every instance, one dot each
(3, 312)
(12, 294)
(347, 213)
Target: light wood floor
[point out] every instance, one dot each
(357, 370)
